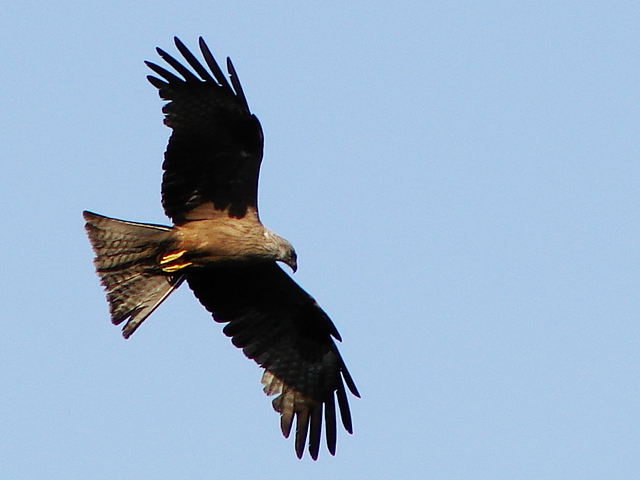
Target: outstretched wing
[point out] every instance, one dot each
(283, 329)
(214, 153)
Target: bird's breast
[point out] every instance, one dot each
(207, 241)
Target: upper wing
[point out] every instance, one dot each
(283, 329)
(215, 150)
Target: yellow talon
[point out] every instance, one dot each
(175, 268)
(167, 259)
(170, 257)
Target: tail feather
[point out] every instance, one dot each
(127, 262)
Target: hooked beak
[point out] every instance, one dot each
(293, 264)
(292, 261)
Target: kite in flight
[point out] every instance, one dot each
(218, 245)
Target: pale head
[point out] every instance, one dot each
(282, 249)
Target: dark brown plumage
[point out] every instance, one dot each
(220, 247)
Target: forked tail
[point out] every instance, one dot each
(126, 260)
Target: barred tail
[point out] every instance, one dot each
(127, 262)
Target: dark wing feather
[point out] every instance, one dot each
(215, 150)
(283, 329)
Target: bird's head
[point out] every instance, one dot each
(282, 250)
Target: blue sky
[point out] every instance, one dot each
(460, 180)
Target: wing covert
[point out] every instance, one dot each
(215, 149)
(282, 328)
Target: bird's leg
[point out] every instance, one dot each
(170, 257)
(169, 264)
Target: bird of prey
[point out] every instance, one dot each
(218, 245)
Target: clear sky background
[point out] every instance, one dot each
(460, 180)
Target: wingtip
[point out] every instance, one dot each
(352, 386)
(302, 429)
(315, 430)
(156, 82)
(231, 69)
(345, 413)
(163, 54)
(299, 454)
(179, 44)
